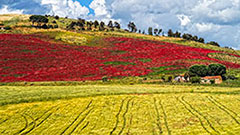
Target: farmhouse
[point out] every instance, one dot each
(211, 79)
(181, 78)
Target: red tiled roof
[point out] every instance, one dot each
(212, 77)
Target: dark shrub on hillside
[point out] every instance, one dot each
(195, 79)
(217, 69)
(56, 17)
(213, 43)
(201, 40)
(187, 36)
(55, 26)
(198, 70)
(7, 28)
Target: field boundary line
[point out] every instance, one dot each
(223, 109)
(189, 110)
(117, 117)
(199, 113)
(34, 125)
(158, 117)
(76, 118)
(165, 118)
(124, 116)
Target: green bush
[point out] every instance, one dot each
(195, 79)
(217, 69)
(198, 70)
(105, 79)
(7, 28)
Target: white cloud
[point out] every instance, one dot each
(6, 10)
(67, 8)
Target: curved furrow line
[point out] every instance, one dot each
(76, 118)
(131, 118)
(34, 125)
(165, 118)
(224, 106)
(117, 117)
(25, 127)
(189, 110)
(124, 116)
(223, 109)
(199, 113)
(81, 121)
(158, 117)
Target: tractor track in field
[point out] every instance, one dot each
(199, 113)
(3, 121)
(223, 108)
(25, 127)
(165, 118)
(124, 117)
(81, 121)
(84, 127)
(89, 104)
(189, 110)
(117, 117)
(32, 123)
(158, 117)
(130, 121)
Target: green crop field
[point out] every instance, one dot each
(119, 109)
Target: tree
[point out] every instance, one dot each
(96, 24)
(201, 40)
(110, 24)
(132, 27)
(101, 27)
(177, 34)
(216, 69)
(170, 33)
(187, 36)
(213, 43)
(159, 31)
(150, 31)
(155, 31)
(117, 25)
(198, 70)
(56, 17)
(38, 19)
(195, 38)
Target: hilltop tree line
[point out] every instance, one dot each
(39, 21)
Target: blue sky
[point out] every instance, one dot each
(214, 20)
(87, 3)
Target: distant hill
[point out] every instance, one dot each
(59, 53)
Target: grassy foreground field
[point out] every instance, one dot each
(119, 109)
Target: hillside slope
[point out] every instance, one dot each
(30, 54)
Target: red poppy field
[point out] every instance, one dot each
(29, 58)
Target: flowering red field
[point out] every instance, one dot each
(27, 58)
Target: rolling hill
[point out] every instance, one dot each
(30, 54)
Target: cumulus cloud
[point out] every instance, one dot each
(64, 8)
(6, 10)
(212, 19)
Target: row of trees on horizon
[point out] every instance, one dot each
(82, 25)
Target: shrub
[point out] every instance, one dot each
(212, 81)
(198, 70)
(7, 28)
(55, 26)
(105, 79)
(170, 78)
(216, 69)
(195, 79)
(213, 43)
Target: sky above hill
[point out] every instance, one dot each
(217, 20)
